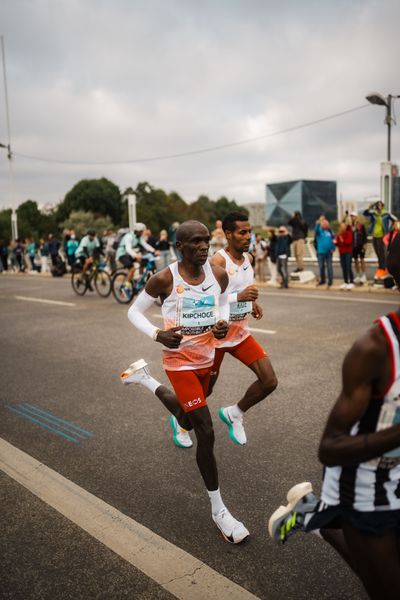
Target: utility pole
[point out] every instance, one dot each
(14, 223)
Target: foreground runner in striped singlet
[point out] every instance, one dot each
(359, 509)
(196, 311)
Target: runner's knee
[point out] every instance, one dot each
(269, 385)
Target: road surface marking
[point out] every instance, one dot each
(266, 331)
(44, 301)
(67, 430)
(181, 574)
(327, 297)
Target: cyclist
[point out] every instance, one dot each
(130, 251)
(89, 249)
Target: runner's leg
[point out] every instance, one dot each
(377, 561)
(264, 386)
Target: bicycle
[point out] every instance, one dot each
(124, 290)
(96, 274)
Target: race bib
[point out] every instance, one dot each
(196, 316)
(239, 310)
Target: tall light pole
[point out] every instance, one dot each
(14, 224)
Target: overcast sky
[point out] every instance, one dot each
(124, 80)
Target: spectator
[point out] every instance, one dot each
(162, 247)
(44, 256)
(380, 225)
(218, 239)
(260, 251)
(150, 238)
(18, 250)
(359, 245)
(172, 238)
(31, 252)
(272, 256)
(53, 246)
(299, 234)
(110, 251)
(283, 253)
(344, 242)
(71, 248)
(324, 238)
(3, 256)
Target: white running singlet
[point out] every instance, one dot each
(240, 276)
(372, 485)
(195, 309)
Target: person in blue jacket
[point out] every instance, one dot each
(325, 247)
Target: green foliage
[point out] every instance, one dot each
(81, 221)
(98, 196)
(5, 225)
(31, 222)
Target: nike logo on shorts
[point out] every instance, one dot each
(207, 288)
(245, 268)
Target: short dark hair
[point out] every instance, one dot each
(229, 222)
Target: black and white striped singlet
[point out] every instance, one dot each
(372, 485)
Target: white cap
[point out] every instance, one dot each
(353, 214)
(139, 227)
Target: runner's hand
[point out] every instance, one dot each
(257, 311)
(170, 337)
(249, 294)
(220, 329)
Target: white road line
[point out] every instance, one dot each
(175, 570)
(266, 331)
(347, 298)
(44, 301)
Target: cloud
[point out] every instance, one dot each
(101, 81)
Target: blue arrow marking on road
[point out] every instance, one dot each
(47, 420)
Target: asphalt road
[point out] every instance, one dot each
(65, 359)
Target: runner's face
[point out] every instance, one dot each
(195, 247)
(239, 239)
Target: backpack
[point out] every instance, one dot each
(121, 233)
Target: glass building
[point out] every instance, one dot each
(311, 198)
(396, 196)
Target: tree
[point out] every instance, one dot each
(81, 221)
(32, 223)
(98, 196)
(5, 225)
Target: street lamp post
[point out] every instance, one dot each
(386, 168)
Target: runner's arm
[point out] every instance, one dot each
(364, 367)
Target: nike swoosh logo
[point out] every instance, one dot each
(245, 268)
(207, 288)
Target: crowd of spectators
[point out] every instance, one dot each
(271, 248)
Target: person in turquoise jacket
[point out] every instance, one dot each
(325, 248)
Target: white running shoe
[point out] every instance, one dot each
(181, 437)
(363, 278)
(350, 286)
(288, 519)
(236, 429)
(343, 286)
(135, 373)
(232, 530)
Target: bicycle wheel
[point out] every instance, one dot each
(78, 284)
(102, 283)
(122, 293)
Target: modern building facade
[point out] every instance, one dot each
(311, 198)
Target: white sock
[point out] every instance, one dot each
(216, 501)
(150, 383)
(235, 411)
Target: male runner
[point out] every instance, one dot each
(359, 510)
(195, 311)
(238, 263)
